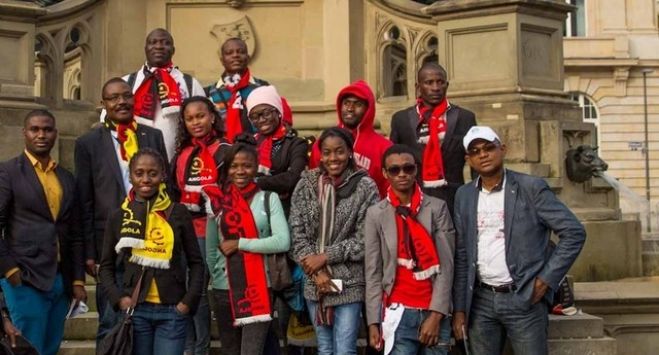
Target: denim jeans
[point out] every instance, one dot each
(495, 316)
(37, 314)
(341, 336)
(249, 339)
(406, 338)
(199, 338)
(159, 329)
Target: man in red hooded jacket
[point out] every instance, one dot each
(355, 105)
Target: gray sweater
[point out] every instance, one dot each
(345, 251)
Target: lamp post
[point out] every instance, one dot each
(646, 148)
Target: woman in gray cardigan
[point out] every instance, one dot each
(327, 218)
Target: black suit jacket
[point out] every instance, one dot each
(31, 235)
(459, 121)
(100, 182)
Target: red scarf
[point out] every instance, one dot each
(127, 137)
(233, 123)
(265, 148)
(158, 85)
(200, 170)
(420, 254)
(433, 164)
(248, 283)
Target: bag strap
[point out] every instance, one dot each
(131, 80)
(136, 294)
(266, 205)
(188, 83)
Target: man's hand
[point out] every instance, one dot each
(124, 303)
(324, 283)
(11, 331)
(228, 247)
(374, 337)
(79, 293)
(90, 268)
(539, 290)
(459, 325)
(15, 279)
(182, 308)
(312, 263)
(429, 331)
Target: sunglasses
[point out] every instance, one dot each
(485, 148)
(408, 169)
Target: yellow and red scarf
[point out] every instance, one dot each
(127, 137)
(158, 85)
(248, 283)
(233, 125)
(144, 229)
(432, 170)
(420, 254)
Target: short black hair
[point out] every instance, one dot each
(399, 149)
(232, 39)
(36, 113)
(148, 152)
(159, 29)
(430, 66)
(242, 143)
(116, 79)
(342, 134)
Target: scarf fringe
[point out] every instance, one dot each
(409, 264)
(427, 273)
(264, 170)
(424, 140)
(435, 183)
(127, 242)
(253, 319)
(145, 261)
(192, 207)
(171, 110)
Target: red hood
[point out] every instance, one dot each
(361, 90)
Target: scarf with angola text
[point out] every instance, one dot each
(158, 85)
(145, 229)
(200, 170)
(265, 147)
(419, 253)
(127, 137)
(433, 165)
(233, 125)
(248, 283)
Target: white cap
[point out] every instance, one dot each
(479, 132)
(264, 95)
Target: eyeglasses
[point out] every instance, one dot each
(115, 98)
(408, 169)
(267, 114)
(485, 148)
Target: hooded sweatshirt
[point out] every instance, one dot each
(369, 146)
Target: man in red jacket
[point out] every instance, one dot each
(355, 105)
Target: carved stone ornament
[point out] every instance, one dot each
(236, 3)
(240, 28)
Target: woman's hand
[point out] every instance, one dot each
(324, 283)
(313, 263)
(228, 247)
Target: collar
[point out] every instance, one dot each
(52, 164)
(496, 188)
(170, 67)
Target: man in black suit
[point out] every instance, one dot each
(411, 127)
(101, 160)
(42, 252)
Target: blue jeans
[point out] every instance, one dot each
(406, 339)
(199, 338)
(159, 330)
(37, 314)
(495, 316)
(341, 337)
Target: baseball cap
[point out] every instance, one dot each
(479, 132)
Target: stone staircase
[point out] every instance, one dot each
(581, 334)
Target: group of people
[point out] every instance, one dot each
(182, 189)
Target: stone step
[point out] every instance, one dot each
(600, 346)
(82, 327)
(88, 347)
(577, 326)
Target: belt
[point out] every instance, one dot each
(507, 288)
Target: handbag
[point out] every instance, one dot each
(119, 341)
(278, 269)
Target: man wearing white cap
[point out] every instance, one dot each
(504, 275)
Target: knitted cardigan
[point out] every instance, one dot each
(345, 251)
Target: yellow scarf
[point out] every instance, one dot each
(145, 230)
